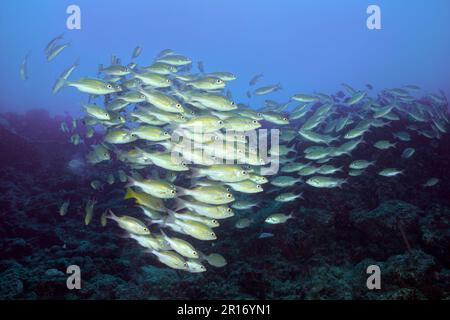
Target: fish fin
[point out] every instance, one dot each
(111, 215)
(131, 182)
(196, 173)
(181, 191)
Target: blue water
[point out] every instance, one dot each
(306, 46)
(401, 223)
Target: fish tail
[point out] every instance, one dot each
(111, 215)
(179, 204)
(130, 194)
(182, 191)
(196, 173)
(164, 235)
(131, 182)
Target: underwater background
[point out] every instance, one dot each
(400, 223)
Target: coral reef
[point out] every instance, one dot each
(322, 253)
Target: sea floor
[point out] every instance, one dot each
(321, 254)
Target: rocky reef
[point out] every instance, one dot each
(322, 253)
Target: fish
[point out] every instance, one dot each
(129, 224)
(50, 46)
(181, 149)
(305, 98)
(196, 230)
(96, 185)
(24, 67)
(223, 172)
(174, 60)
(56, 50)
(181, 246)
(288, 197)
(154, 187)
(89, 211)
(225, 76)
(206, 210)
(390, 172)
(356, 98)
(64, 208)
(265, 235)
(96, 112)
(195, 266)
(408, 153)
(384, 145)
(361, 164)
(243, 223)
(278, 218)
(171, 259)
(215, 195)
(200, 66)
(431, 182)
(210, 222)
(136, 52)
(285, 181)
(267, 89)
(244, 205)
(255, 79)
(325, 182)
(94, 86)
(216, 260)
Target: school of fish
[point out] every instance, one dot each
(186, 156)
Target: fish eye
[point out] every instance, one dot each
(168, 80)
(173, 191)
(259, 114)
(232, 103)
(220, 122)
(145, 229)
(106, 114)
(109, 86)
(285, 119)
(166, 133)
(229, 195)
(213, 234)
(255, 122)
(194, 253)
(229, 210)
(219, 81)
(178, 105)
(214, 221)
(244, 173)
(142, 96)
(258, 186)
